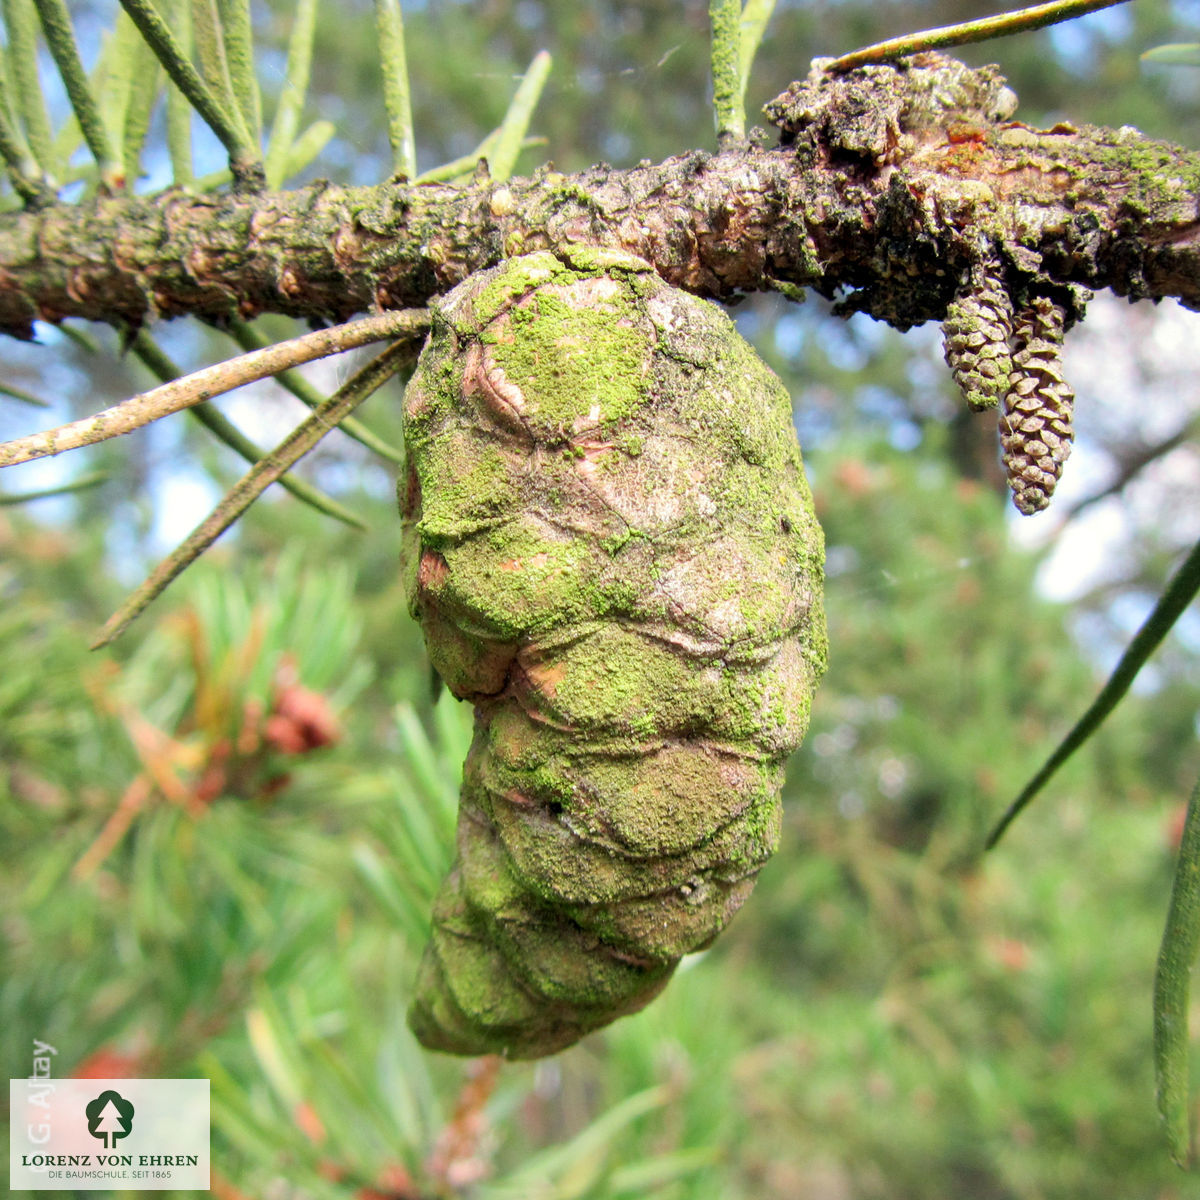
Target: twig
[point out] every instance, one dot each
(1134, 465)
(131, 803)
(1037, 17)
(212, 381)
(152, 355)
(726, 18)
(244, 158)
(56, 25)
(1172, 984)
(1178, 594)
(63, 489)
(511, 134)
(239, 498)
(250, 338)
(456, 1154)
(393, 59)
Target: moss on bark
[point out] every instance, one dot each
(612, 549)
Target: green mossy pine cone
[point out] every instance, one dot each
(611, 547)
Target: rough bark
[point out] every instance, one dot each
(887, 184)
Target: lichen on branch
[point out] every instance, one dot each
(884, 181)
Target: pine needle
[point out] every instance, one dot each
(726, 18)
(16, 393)
(201, 385)
(20, 28)
(250, 338)
(239, 57)
(152, 355)
(56, 25)
(63, 489)
(393, 58)
(755, 16)
(1172, 985)
(244, 158)
(1004, 25)
(179, 108)
(293, 92)
(1178, 594)
(239, 498)
(511, 134)
(459, 168)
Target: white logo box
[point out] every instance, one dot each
(108, 1134)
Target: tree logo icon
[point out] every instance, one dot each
(109, 1117)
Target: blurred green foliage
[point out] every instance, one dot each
(219, 843)
(890, 1016)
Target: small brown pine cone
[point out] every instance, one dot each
(1036, 428)
(976, 333)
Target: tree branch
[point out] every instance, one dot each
(885, 183)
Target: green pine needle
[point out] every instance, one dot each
(63, 489)
(726, 18)
(1178, 594)
(266, 471)
(113, 84)
(460, 170)
(207, 413)
(239, 58)
(511, 134)
(56, 25)
(293, 92)
(143, 96)
(1176, 54)
(221, 117)
(755, 16)
(964, 34)
(1172, 985)
(250, 338)
(179, 109)
(8, 389)
(393, 58)
(20, 27)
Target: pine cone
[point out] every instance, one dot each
(976, 335)
(612, 550)
(1036, 425)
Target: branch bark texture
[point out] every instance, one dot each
(887, 184)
